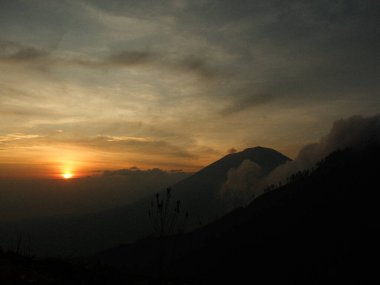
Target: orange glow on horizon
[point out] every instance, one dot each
(65, 162)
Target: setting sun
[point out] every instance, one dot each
(67, 175)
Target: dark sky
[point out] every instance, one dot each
(89, 85)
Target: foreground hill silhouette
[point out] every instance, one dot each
(19, 269)
(200, 194)
(319, 228)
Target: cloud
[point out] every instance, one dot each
(91, 152)
(242, 184)
(246, 101)
(191, 64)
(132, 58)
(16, 137)
(11, 52)
(354, 132)
(145, 146)
(113, 144)
(246, 181)
(137, 172)
(19, 53)
(179, 4)
(197, 65)
(198, 72)
(20, 111)
(299, 53)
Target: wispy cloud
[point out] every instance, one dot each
(246, 101)
(129, 58)
(19, 53)
(17, 137)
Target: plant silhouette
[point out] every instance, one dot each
(163, 217)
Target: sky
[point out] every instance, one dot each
(89, 86)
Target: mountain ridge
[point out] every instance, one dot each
(320, 226)
(199, 194)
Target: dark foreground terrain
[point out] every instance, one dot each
(320, 227)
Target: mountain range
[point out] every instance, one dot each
(321, 227)
(199, 195)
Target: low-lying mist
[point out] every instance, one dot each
(31, 198)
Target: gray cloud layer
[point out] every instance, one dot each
(19, 53)
(281, 70)
(287, 50)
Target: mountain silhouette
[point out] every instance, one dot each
(89, 233)
(320, 227)
(200, 193)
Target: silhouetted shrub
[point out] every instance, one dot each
(164, 218)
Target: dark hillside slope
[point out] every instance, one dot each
(320, 228)
(315, 230)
